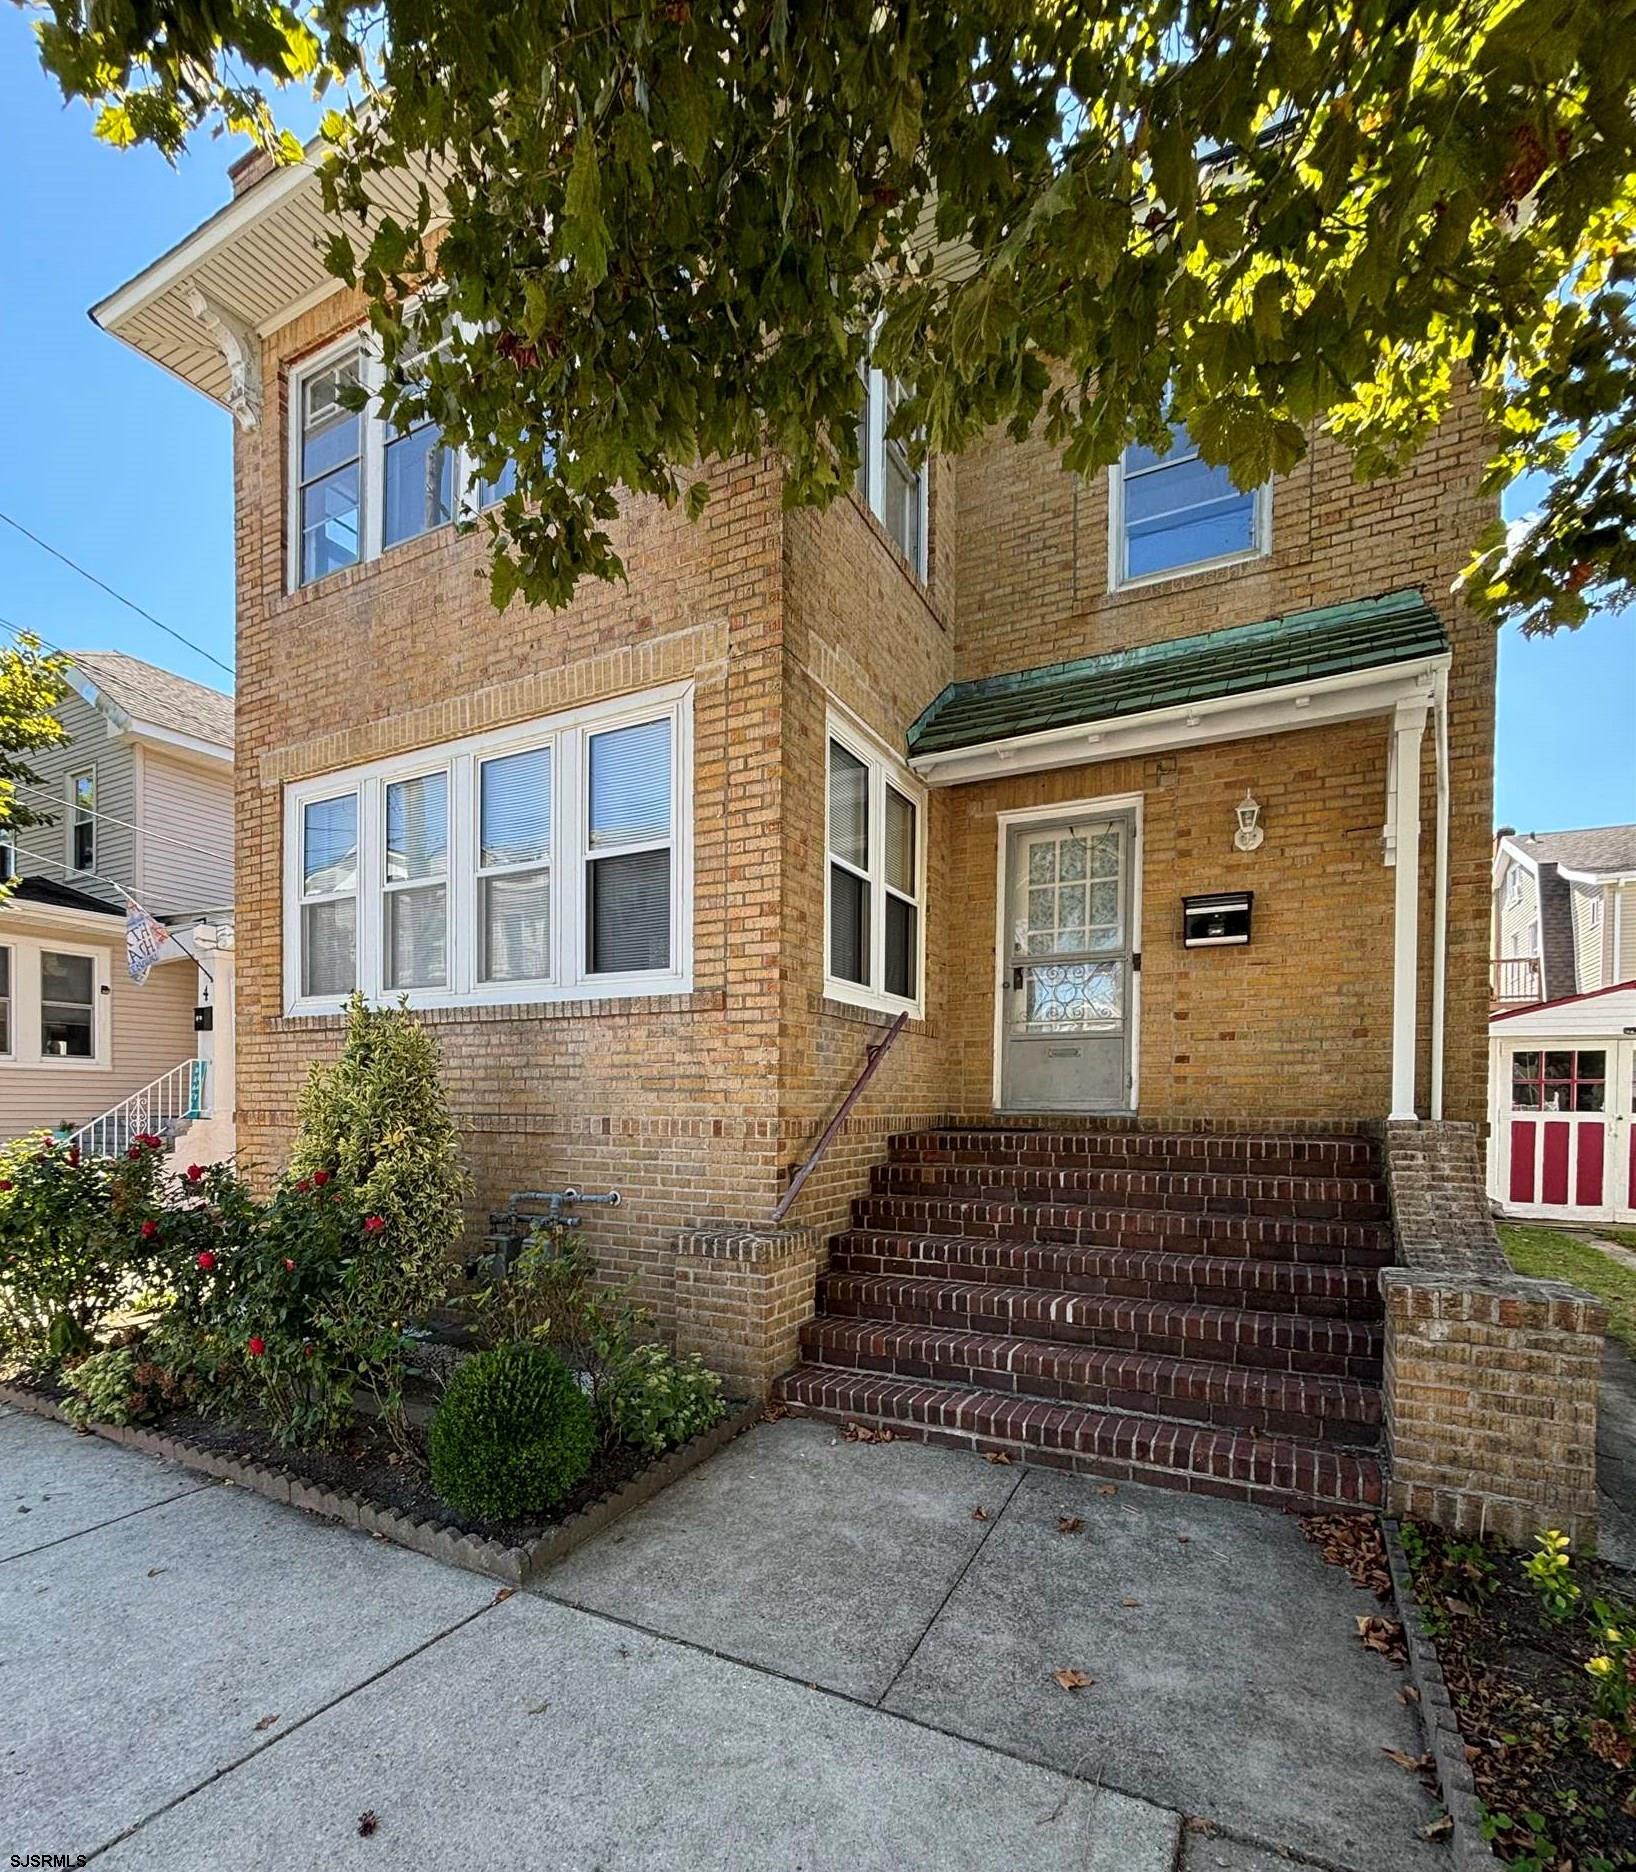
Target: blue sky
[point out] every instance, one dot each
(129, 471)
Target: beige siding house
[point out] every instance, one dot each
(1564, 913)
(139, 800)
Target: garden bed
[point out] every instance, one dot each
(358, 1484)
(1553, 1778)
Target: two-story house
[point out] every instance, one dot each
(1146, 818)
(1562, 1066)
(140, 805)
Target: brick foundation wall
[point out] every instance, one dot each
(741, 1300)
(1491, 1379)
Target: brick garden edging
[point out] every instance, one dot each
(1470, 1851)
(511, 1565)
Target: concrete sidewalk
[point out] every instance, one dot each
(806, 1654)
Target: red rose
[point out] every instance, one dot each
(206, 1260)
(304, 1185)
(134, 1152)
(5, 1183)
(258, 1345)
(307, 1351)
(320, 1178)
(374, 1224)
(289, 1265)
(149, 1230)
(73, 1153)
(195, 1173)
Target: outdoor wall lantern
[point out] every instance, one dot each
(1249, 835)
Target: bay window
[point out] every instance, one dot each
(874, 875)
(542, 862)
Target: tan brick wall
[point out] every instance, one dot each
(694, 1106)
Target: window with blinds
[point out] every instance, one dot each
(873, 883)
(536, 863)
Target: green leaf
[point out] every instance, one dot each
(583, 234)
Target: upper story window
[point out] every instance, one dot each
(1596, 910)
(82, 820)
(875, 876)
(6, 991)
(1513, 887)
(894, 491)
(544, 862)
(8, 858)
(1173, 513)
(359, 484)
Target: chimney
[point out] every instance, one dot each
(248, 170)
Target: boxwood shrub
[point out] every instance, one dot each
(512, 1435)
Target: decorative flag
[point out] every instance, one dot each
(144, 938)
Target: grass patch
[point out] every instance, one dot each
(1626, 1238)
(1548, 1254)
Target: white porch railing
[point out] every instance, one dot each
(1515, 978)
(162, 1108)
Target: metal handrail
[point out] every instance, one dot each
(873, 1057)
(160, 1107)
(1515, 978)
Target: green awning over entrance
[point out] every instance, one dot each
(1300, 647)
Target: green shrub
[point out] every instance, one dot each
(377, 1120)
(78, 1238)
(656, 1400)
(513, 1434)
(102, 1386)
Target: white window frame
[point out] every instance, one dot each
(9, 1050)
(33, 1001)
(1513, 887)
(1595, 915)
(1120, 580)
(872, 470)
(569, 977)
(8, 854)
(468, 482)
(305, 898)
(71, 822)
(883, 770)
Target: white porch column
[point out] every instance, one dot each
(1408, 729)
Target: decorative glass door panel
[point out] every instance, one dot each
(1566, 1130)
(1066, 993)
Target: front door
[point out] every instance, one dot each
(1567, 1130)
(1066, 997)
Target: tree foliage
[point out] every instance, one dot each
(667, 231)
(31, 688)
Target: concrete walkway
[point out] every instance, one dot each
(807, 1654)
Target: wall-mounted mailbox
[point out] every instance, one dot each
(1216, 921)
(204, 1019)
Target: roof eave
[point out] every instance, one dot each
(1348, 697)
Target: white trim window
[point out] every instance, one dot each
(874, 876)
(8, 854)
(8, 996)
(894, 491)
(1596, 910)
(1513, 887)
(82, 820)
(68, 1004)
(546, 862)
(360, 485)
(1173, 513)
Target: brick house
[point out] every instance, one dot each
(661, 868)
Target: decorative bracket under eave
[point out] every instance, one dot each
(242, 350)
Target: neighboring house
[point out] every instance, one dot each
(141, 803)
(963, 751)
(1562, 1070)
(1564, 917)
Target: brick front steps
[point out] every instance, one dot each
(1197, 1310)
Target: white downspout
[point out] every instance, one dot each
(1440, 886)
(1408, 731)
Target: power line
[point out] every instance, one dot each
(130, 604)
(190, 846)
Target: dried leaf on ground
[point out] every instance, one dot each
(1383, 1635)
(995, 1456)
(1070, 1523)
(1440, 1828)
(980, 1514)
(774, 1412)
(368, 1820)
(1352, 1541)
(865, 1433)
(266, 1722)
(1131, 1605)
(1107, 1488)
(1407, 1693)
(503, 1594)
(1412, 1764)
(1072, 1679)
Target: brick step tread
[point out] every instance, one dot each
(1229, 1396)
(1044, 1255)
(1145, 1449)
(1301, 1155)
(1094, 1224)
(1315, 1198)
(1231, 1280)
(1177, 1328)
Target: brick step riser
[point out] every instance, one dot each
(1354, 1299)
(1168, 1401)
(1312, 1477)
(1118, 1190)
(1298, 1345)
(1022, 1255)
(1079, 1226)
(1194, 1156)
